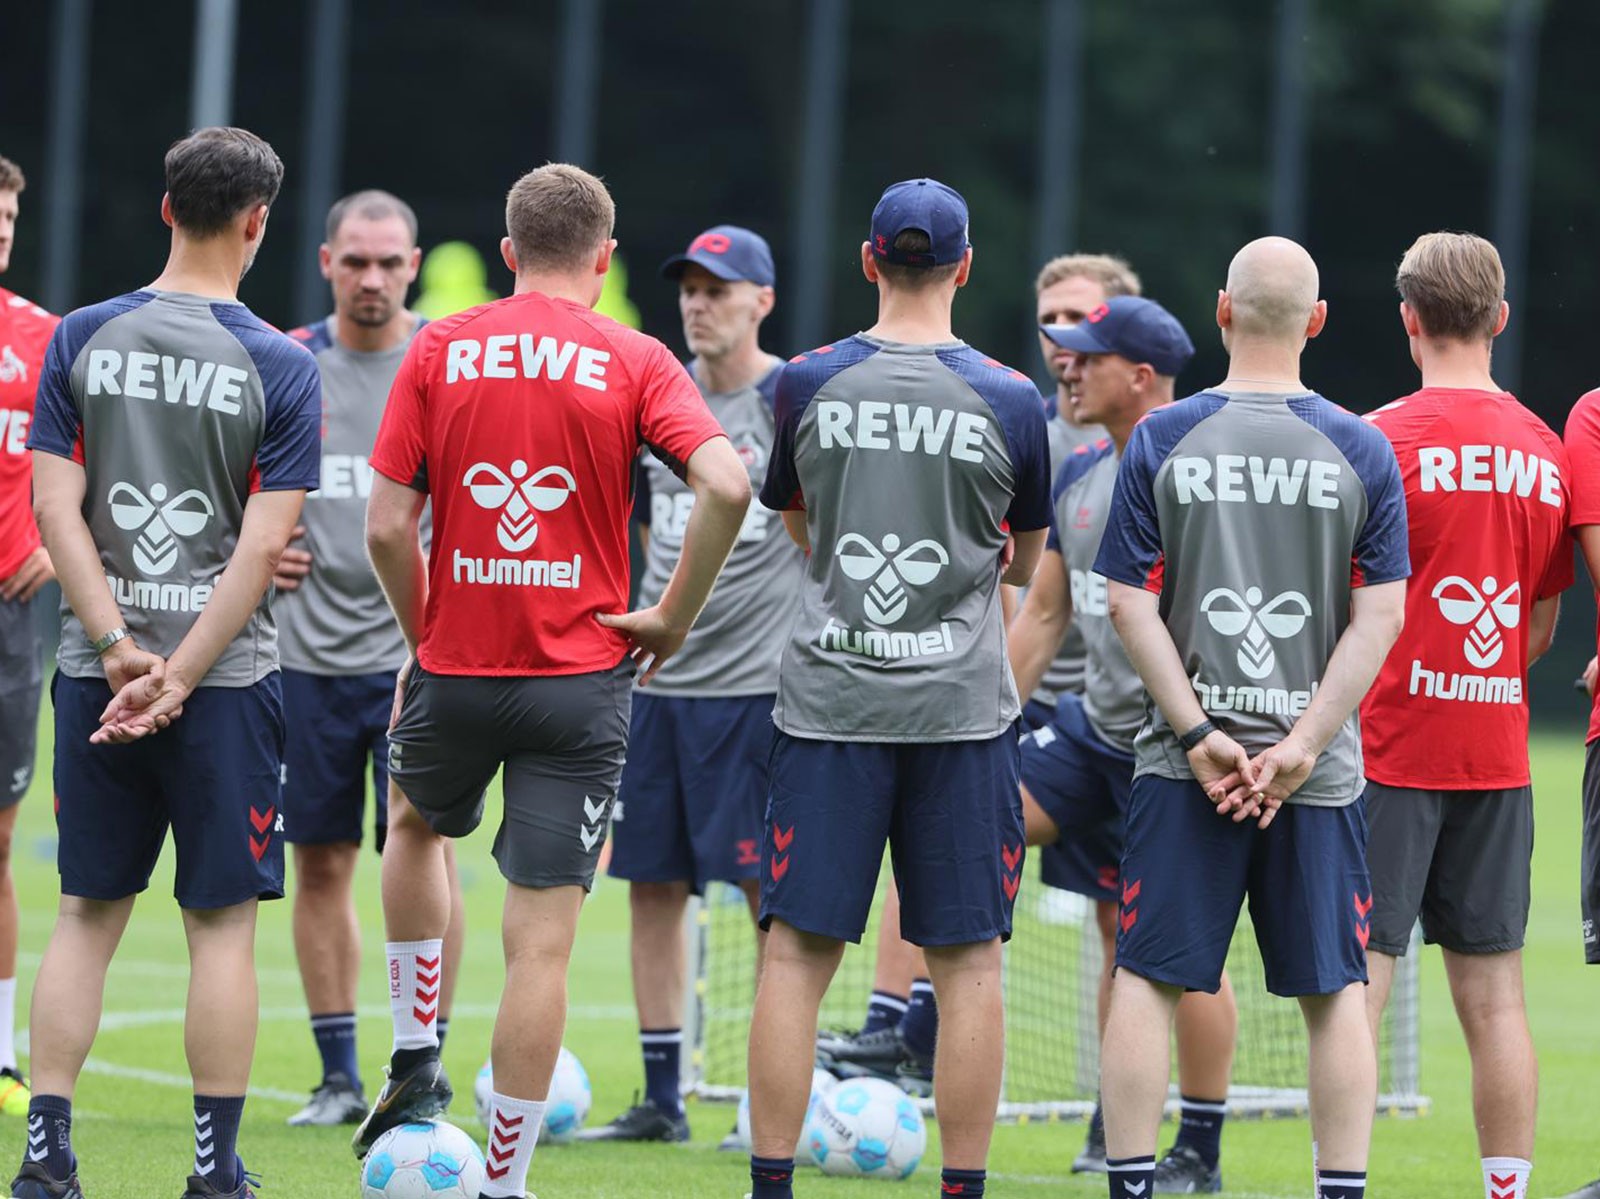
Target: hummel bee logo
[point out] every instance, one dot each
(158, 521)
(890, 570)
(1233, 615)
(518, 499)
(1484, 610)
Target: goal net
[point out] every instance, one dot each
(1052, 970)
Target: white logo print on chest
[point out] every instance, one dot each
(159, 521)
(1258, 623)
(519, 499)
(890, 570)
(12, 368)
(1486, 611)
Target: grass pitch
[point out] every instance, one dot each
(132, 1128)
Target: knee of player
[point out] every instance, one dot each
(325, 868)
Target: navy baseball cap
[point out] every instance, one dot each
(728, 252)
(924, 204)
(1138, 329)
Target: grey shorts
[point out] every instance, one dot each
(20, 685)
(561, 740)
(1589, 895)
(1462, 860)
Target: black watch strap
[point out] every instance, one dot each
(1197, 734)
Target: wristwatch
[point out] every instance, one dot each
(101, 644)
(1197, 734)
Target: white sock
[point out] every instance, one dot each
(514, 1126)
(1506, 1177)
(8, 1021)
(415, 971)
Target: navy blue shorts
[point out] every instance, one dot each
(1082, 784)
(950, 812)
(1187, 870)
(338, 730)
(1036, 714)
(214, 776)
(694, 790)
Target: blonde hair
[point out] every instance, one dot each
(1455, 283)
(1113, 274)
(11, 176)
(556, 216)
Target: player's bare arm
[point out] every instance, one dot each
(28, 578)
(141, 707)
(1219, 762)
(294, 565)
(59, 485)
(1035, 635)
(721, 487)
(394, 543)
(1027, 549)
(1542, 627)
(795, 524)
(1377, 614)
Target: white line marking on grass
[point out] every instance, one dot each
(157, 1078)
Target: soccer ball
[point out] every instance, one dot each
(821, 1083)
(567, 1106)
(423, 1161)
(866, 1127)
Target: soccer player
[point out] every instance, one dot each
(1445, 728)
(1255, 560)
(174, 441)
(25, 331)
(522, 420)
(904, 456)
(1583, 453)
(1068, 289)
(338, 640)
(694, 788)
(1077, 770)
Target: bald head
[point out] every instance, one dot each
(1272, 289)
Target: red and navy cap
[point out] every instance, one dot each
(728, 252)
(1133, 327)
(927, 205)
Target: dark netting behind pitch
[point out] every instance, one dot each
(1052, 967)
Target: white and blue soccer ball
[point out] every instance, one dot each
(866, 1128)
(567, 1106)
(821, 1083)
(423, 1161)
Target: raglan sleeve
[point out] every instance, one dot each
(57, 426)
(290, 455)
(673, 418)
(401, 450)
(1130, 549)
(781, 490)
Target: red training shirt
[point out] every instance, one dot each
(25, 331)
(522, 419)
(1583, 451)
(1487, 498)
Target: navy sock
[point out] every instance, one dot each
(336, 1042)
(884, 1010)
(920, 1028)
(50, 1136)
(1200, 1127)
(1097, 1124)
(1131, 1177)
(962, 1182)
(1341, 1184)
(662, 1049)
(771, 1178)
(440, 1027)
(216, 1139)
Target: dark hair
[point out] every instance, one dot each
(374, 205)
(915, 278)
(215, 174)
(556, 216)
(11, 176)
